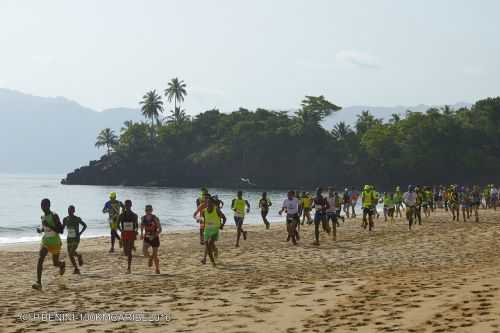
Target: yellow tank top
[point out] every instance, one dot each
(212, 219)
(239, 206)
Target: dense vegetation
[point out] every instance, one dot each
(279, 150)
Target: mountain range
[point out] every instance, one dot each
(56, 135)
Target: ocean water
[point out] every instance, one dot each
(20, 197)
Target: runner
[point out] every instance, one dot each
(476, 201)
(320, 205)
(368, 201)
(331, 212)
(338, 206)
(398, 201)
(128, 225)
(494, 197)
(51, 242)
(410, 201)
(426, 201)
(291, 207)
(346, 200)
(307, 204)
(388, 206)
(72, 223)
(150, 234)
(354, 202)
(264, 204)
(113, 207)
(418, 206)
(212, 216)
(240, 206)
(453, 203)
(378, 200)
(198, 216)
(465, 202)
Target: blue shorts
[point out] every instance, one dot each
(238, 220)
(318, 216)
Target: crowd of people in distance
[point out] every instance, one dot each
(300, 208)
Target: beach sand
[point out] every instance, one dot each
(440, 277)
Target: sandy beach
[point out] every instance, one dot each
(440, 277)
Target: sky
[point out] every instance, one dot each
(253, 53)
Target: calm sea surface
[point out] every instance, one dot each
(21, 195)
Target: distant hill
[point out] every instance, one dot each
(56, 135)
(51, 135)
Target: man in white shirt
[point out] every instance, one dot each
(331, 213)
(410, 200)
(291, 207)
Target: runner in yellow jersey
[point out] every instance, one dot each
(240, 206)
(212, 215)
(307, 207)
(51, 242)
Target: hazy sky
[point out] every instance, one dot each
(252, 53)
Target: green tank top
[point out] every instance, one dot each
(239, 206)
(50, 237)
(212, 219)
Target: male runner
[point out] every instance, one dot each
(51, 242)
(264, 204)
(150, 234)
(291, 207)
(113, 207)
(73, 223)
(212, 216)
(128, 225)
(238, 205)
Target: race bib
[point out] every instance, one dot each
(128, 226)
(72, 233)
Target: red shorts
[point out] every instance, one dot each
(128, 235)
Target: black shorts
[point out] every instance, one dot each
(292, 218)
(368, 211)
(238, 220)
(154, 242)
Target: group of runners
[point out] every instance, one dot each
(298, 207)
(124, 226)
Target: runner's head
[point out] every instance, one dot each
(128, 204)
(45, 205)
(71, 210)
(148, 209)
(264, 195)
(319, 191)
(112, 195)
(290, 195)
(240, 194)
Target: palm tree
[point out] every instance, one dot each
(108, 138)
(152, 106)
(177, 116)
(395, 118)
(341, 130)
(176, 90)
(126, 125)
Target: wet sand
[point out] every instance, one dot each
(440, 277)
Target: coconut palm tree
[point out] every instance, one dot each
(176, 90)
(126, 125)
(341, 130)
(152, 106)
(108, 138)
(177, 116)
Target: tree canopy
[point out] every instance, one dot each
(281, 149)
